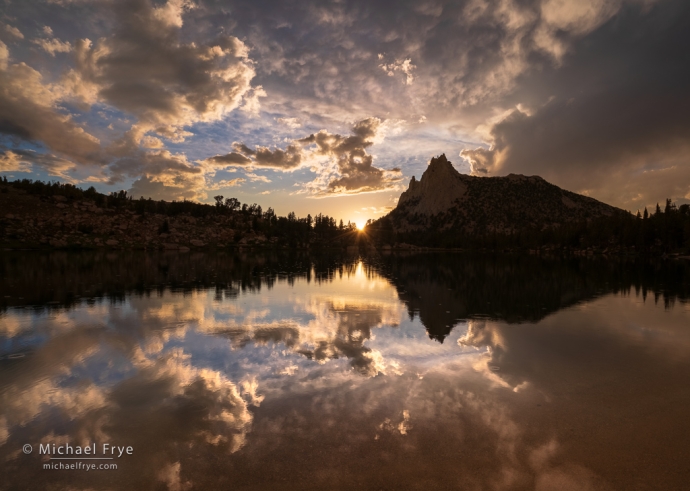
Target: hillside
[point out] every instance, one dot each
(37, 215)
(444, 199)
(518, 213)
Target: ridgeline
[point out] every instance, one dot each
(38, 215)
(443, 210)
(446, 209)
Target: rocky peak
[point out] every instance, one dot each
(440, 186)
(444, 199)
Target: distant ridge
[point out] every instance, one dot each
(444, 200)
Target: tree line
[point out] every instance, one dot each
(664, 230)
(289, 229)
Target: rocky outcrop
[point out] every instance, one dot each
(438, 190)
(444, 199)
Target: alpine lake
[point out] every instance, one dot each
(284, 370)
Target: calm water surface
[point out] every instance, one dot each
(265, 371)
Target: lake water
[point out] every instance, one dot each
(270, 371)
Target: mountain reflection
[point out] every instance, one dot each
(248, 370)
(445, 288)
(440, 288)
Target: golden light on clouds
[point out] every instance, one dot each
(149, 91)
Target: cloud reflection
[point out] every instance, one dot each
(335, 328)
(245, 387)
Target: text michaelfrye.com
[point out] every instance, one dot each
(73, 457)
(79, 466)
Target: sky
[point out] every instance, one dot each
(332, 106)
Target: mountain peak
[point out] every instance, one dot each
(444, 199)
(436, 190)
(439, 161)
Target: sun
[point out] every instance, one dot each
(360, 226)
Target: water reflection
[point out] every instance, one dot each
(445, 288)
(276, 371)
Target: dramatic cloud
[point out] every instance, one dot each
(145, 68)
(590, 94)
(342, 163)
(462, 54)
(163, 175)
(29, 111)
(619, 133)
(351, 170)
(288, 159)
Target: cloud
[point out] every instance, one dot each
(624, 141)
(468, 56)
(256, 178)
(288, 159)
(404, 66)
(10, 162)
(25, 160)
(4, 56)
(232, 158)
(29, 111)
(573, 18)
(342, 163)
(155, 163)
(251, 104)
(166, 400)
(350, 169)
(175, 70)
(225, 183)
(13, 31)
(292, 123)
(175, 388)
(143, 67)
(340, 329)
(151, 142)
(161, 174)
(52, 46)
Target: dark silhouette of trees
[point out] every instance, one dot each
(290, 230)
(662, 232)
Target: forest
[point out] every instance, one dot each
(292, 230)
(665, 230)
